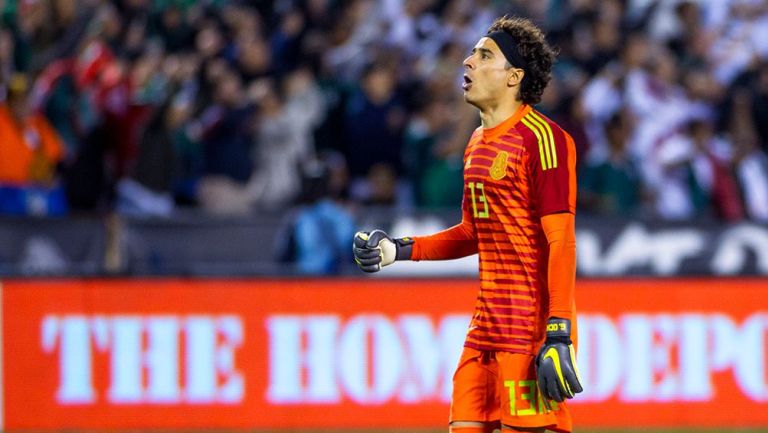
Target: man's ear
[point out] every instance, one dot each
(515, 76)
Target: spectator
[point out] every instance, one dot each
(612, 186)
(670, 176)
(713, 167)
(316, 239)
(7, 50)
(182, 129)
(286, 41)
(30, 151)
(751, 161)
(121, 81)
(760, 104)
(227, 148)
(171, 27)
(434, 159)
(287, 116)
(147, 190)
(374, 123)
(752, 172)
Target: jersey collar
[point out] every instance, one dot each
(501, 128)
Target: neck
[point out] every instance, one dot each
(494, 115)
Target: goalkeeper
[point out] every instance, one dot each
(518, 366)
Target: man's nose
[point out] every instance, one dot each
(468, 63)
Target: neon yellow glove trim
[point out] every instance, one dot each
(552, 354)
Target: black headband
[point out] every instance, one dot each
(508, 46)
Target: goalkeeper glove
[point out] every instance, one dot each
(556, 371)
(376, 249)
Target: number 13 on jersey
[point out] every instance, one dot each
(477, 191)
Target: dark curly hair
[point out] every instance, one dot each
(534, 49)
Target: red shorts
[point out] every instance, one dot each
(501, 387)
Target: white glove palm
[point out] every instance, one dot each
(376, 249)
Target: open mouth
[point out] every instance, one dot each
(467, 83)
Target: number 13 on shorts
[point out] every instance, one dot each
(525, 398)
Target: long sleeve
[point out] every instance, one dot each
(561, 269)
(553, 178)
(452, 243)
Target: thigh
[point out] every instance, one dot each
(522, 405)
(475, 394)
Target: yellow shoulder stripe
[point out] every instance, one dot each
(545, 138)
(548, 128)
(539, 139)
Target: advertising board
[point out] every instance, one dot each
(295, 353)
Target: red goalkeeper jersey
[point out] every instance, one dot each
(514, 174)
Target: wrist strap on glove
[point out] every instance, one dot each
(404, 248)
(559, 330)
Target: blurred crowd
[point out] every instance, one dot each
(234, 107)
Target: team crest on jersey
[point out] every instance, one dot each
(499, 168)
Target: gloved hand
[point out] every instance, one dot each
(556, 371)
(376, 249)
